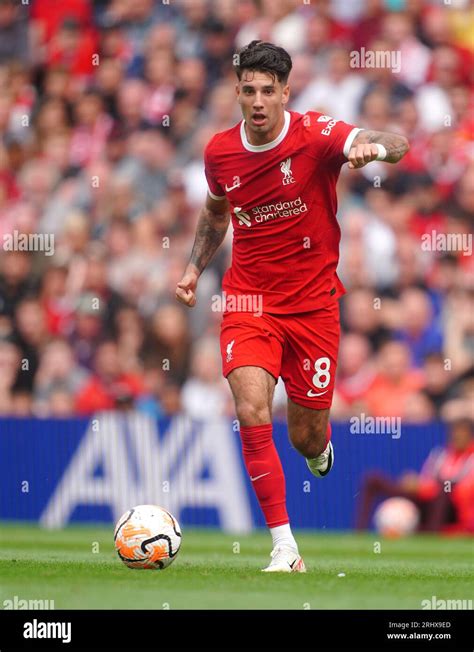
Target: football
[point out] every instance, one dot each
(396, 517)
(147, 537)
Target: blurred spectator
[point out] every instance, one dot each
(58, 376)
(130, 102)
(356, 372)
(418, 408)
(55, 300)
(369, 23)
(152, 153)
(437, 380)
(204, 393)
(382, 79)
(129, 334)
(154, 381)
(61, 403)
(139, 18)
(168, 344)
(433, 101)
(394, 382)
(31, 335)
(16, 281)
(399, 30)
(461, 404)
(21, 403)
(49, 16)
(301, 76)
(160, 74)
(92, 128)
(171, 399)
(337, 93)
(13, 31)
(218, 51)
(459, 324)
(361, 313)
(417, 327)
(443, 489)
(109, 387)
(318, 40)
(87, 329)
(278, 23)
(72, 46)
(10, 358)
(104, 297)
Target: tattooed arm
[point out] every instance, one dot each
(210, 232)
(364, 147)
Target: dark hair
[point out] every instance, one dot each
(264, 57)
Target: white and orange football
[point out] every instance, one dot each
(396, 517)
(147, 536)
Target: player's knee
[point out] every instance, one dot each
(252, 413)
(310, 441)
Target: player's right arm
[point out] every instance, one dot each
(212, 226)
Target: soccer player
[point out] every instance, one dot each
(275, 175)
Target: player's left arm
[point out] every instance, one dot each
(369, 145)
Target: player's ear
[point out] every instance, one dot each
(237, 90)
(285, 94)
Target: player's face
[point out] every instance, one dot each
(262, 99)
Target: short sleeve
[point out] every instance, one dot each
(332, 138)
(214, 188)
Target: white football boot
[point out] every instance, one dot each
(285, 560)
(322, 464)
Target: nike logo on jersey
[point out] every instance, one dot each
(312, 394)
(259, 476)
(236, 185)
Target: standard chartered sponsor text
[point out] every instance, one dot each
(279, 209)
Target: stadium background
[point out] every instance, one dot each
(105, 108)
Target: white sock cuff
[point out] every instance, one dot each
(282, 535)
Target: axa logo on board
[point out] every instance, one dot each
(149, 466)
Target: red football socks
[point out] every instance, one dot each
(266, 472)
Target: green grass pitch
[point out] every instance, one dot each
(79, 569)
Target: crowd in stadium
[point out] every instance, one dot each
(105, 109)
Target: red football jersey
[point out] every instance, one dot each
(283, 202)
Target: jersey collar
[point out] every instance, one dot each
(267, 146)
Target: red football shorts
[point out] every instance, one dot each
(301, 348)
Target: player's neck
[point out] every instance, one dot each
(264, 139)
